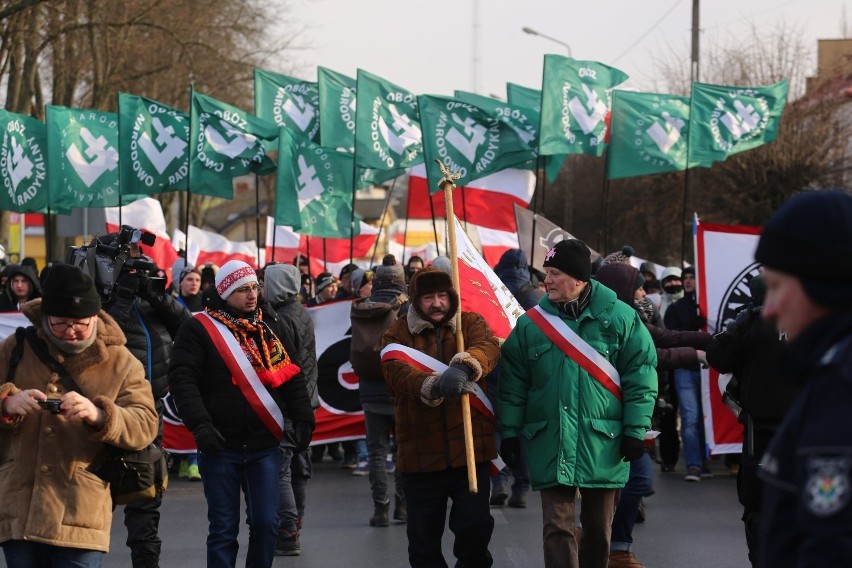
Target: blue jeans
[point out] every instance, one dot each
(256, 474)
(24, 554)
(638, 485)
(688, 386)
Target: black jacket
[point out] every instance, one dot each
(203, 390)
(8, 302)
(150, 326)
(806, 518)
(683, 315)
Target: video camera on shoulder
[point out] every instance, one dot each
(108, 257)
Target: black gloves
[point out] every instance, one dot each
(302, 435)
(510, 451)
(453, 381)
(631, 448)
(741, 322)
(208, 440)
(127, 285)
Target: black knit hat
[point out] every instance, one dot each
(69, 293)
(810, 237)
(390, 278)
(572, 257)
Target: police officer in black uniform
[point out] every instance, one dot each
(807, 267)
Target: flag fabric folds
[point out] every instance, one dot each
(575, 102)
(288, 102)
(82, 158)
(337, 103)
(153, 146)
(387, 135)
(313, 188)
(728, 120)
(23, 171)
(206, 246)
(226, 142)
(649, 134)
(537, 235)
(468, 140)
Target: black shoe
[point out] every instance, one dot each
(287, 544)
(518, 500)
(667, 467)
(498, 498)
(380, 515)
(400, 509)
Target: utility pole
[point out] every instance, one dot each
(475, 49)
(694, 75)
(687, 179)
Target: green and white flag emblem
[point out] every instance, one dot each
(649, 134)
(153, 142)
(82, 158)
(23, 165)
(728, 120)
(388, 132)
(313, 188)
(575, 100)
(226, 142)
(337, 104)
(288, 102)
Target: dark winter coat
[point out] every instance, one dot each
(683, 315)
(150, 325)
(514, 271)
(8, 301)
(204, 392)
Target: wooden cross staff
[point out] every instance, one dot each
(447, 185)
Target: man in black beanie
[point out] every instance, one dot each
(807, 267)
(579, 383)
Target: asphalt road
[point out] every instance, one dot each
(688, 524)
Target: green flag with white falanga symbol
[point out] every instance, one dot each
(337, 104)
(575, 101)
(313, 188)
(23, 163)
(82, 158)
(288, 102)
(153, 146)
(468, 140)
(649, 134)
(225, 142)
(727, 120)
(387, 135)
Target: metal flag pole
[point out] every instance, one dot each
(447, 185)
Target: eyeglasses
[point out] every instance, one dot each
(247, 289)
(62, 327)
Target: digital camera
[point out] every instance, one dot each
(107, 258)
(52, 405)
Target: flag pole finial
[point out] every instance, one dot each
(448, 176)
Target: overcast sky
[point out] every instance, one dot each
(428, 46)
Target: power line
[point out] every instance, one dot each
(643, 36)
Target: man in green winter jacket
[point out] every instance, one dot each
(579, 384)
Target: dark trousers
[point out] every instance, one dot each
(750, 487)
(470, 517)
(142, 520)
(379, 429)
(25, 554)
(561, 546)
(669, 439)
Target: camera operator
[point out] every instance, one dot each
(750, 348)
(150, 318)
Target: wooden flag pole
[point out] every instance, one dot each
(447, 186)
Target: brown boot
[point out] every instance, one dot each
(623, 559)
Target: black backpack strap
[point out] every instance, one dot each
(17, 354)
(39, 347)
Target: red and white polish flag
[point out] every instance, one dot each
(206, 246)
(325, 254)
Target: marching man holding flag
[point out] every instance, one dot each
(578, 382)
(417, 349)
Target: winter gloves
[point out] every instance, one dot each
(208, 440)
(510, 451)
(454, 381)
(302, 434)
(631, 448)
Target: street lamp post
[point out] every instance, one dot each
(531, 31)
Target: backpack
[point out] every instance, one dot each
(369, 321)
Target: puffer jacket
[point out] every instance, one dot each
(431, 438)
(573, 425)
(49, 493)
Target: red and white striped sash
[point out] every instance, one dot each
(419, 360)
(576, 348)
(244, 375)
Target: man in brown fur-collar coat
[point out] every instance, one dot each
(55, 510)
(429, 429)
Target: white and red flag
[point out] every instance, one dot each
(487, 202)
(146, 214)
(205, 246)
(725, 265)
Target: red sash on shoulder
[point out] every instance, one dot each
(567, 340)
(419, 360)
(244, 375)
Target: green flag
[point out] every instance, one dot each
(23, 166)
(468, 140)
(226, 142)
(649, 134)
(526, 97)
(82, 158)
(337, 104)
(387, 134)
(574, 103)
(313, 188)
(728, 120)
(288, 102)
(153, 146)
(522, 120)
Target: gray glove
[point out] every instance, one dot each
(454, 381)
